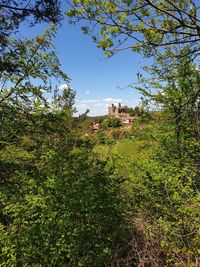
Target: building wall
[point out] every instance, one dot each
(118, 112)
(113, 111)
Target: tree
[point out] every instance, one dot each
(174, 169)
(162, 185)
(174, 86)
(111, 123)
(60, 204)
(139, 25)
(21, 96)
(13, 13)
(27, 61)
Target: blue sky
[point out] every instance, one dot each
(98, 81)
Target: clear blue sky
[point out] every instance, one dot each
(95, 78)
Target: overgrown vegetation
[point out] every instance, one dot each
(111, 123)
(112, 199)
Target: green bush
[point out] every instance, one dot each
(111, 123)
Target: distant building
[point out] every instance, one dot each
(95, 126)
(121, 113)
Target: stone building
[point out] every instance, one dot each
(121, 113)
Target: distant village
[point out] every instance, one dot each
(114, 111)
(121, 113)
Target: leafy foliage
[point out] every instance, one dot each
(57, 198)
(111, 123)
(29, 61)
(13, 13)
(138, 25)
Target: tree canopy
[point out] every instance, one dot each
(24, 63)
(13, 13)
(123, 24)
